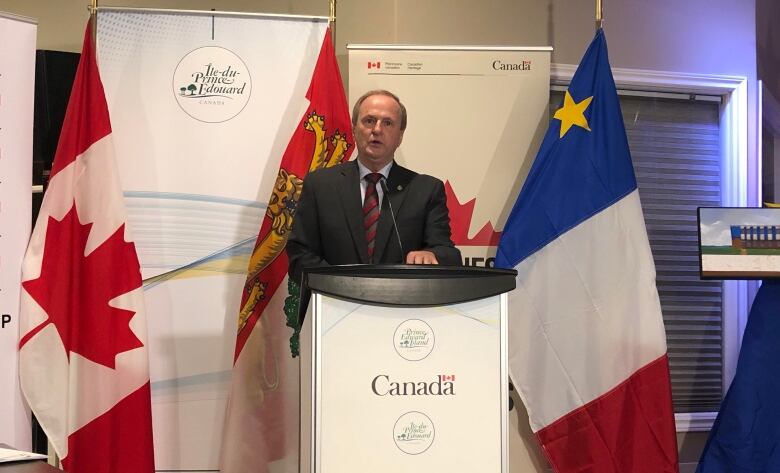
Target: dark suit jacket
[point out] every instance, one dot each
(328, 223)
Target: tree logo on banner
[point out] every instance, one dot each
(212, 84)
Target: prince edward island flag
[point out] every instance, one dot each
(587, 347)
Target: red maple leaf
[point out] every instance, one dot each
(460, 222)
(74, 290)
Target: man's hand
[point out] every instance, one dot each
(421, 257)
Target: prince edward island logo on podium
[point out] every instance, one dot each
(414, 433)
(414, 340)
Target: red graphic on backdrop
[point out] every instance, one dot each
(460, 222)
(74, 290)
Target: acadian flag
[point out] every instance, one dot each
(257, 432)
(587, 347)
(746, 433)
(84, 365)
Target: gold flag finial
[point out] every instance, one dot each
(93, 6)
(599, 15)
(332, 20)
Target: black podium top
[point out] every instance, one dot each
(407, 285)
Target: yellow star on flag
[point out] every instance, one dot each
(572, 113)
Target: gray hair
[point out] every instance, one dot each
(387, 93)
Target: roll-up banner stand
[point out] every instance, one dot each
(202, 106)
(17, 80)
(476, 118)
(477, 115)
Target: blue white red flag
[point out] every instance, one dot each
(587, 347)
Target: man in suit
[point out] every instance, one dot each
(343, 216)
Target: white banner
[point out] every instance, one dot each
(476, 118)
(202, 107)
(17, 79)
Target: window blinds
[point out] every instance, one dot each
(675, 149)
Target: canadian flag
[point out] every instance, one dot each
(373, 65)
(83, 358)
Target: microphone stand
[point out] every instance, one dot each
(386, 193)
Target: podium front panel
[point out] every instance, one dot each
(409, 388)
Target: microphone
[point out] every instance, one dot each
(386, 193)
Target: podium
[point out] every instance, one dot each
(404, 368)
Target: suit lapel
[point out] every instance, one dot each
(349, 192)
(397, 181)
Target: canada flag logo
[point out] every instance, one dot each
(374, 65)
(460, 222)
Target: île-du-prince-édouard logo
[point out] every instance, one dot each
(212, 84)
(414, 433)
(414, 340)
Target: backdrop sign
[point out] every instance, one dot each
(476, 119)
(17, 79)
(202, 107)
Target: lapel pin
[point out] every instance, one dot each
(400, 187)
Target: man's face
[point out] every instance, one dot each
(378, 131)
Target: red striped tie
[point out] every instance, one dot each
(371, 211)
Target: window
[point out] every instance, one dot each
(675, 147)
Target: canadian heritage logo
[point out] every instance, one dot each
(212, 84)
(414, 340)
(508, 66)
(441, 385)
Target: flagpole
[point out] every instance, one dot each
(599, 15)
(93, 6)
(332, 19)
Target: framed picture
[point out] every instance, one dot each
(739, 243)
